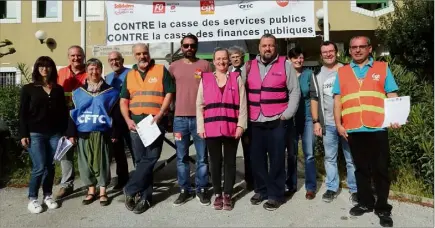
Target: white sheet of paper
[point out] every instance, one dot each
(396, 110)
(148, 132)
(62, 147)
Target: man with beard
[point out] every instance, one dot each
(187, 74)
(70, 78)
(116, 79)
(147, 90)
(273, 98)
(237, 55)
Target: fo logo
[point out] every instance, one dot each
(282, 3)
(159, 7)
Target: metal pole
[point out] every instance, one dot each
(83, 26)
(325, 21)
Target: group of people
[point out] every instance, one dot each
(267, 103)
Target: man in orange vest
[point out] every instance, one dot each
(70, 78)
(147, 90)
(359, 92)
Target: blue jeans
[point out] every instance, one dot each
(306, 132)
(184, 127)
(268, 145)
(330, 143)
(141, 181)
(41, 150)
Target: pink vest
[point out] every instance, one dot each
(221, 110)
(269, 96)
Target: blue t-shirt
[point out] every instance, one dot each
(304, 109)
(390, 86)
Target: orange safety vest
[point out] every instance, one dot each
(362, 102)
(146, 96)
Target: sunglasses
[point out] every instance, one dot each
(185, 46)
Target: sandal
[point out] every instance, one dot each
(90, 200)
(104, 202)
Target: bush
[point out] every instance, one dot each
(14, 159)
(408, 34)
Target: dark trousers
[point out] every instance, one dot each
(214, 146)
(121, 157)
(141, 181)
(246, 142)
(268, 144)
(371, 157)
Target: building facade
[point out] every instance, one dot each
(60, 20)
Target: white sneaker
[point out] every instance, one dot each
(34, 207)
(50, 202)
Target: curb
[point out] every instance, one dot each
(408, 198)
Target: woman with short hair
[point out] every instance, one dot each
(221, 114)
(93, 123)
(43, 118)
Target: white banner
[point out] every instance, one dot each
(130, 22)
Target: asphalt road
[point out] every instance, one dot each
(297, 212)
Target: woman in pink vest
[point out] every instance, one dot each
(221, 113)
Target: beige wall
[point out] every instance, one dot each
(341, 18)
(67, 33)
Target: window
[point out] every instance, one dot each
(372, 5)
(372, 8)
(10, 12)
(46, 11)
(94, 10)
(9, 76)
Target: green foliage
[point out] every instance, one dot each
(25, 72)
(408, 33)
(13, 159)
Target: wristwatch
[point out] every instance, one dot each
(315, 121)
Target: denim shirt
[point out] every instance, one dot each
(304, 109)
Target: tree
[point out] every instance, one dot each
(408, 34)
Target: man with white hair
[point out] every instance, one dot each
(147, 90)
(116, 79)
(237, 55)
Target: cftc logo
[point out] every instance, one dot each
(245, 5)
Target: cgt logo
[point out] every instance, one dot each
(245, 5)
(282, 3)
(159, 7)
(206, 6)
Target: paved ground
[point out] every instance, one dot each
(297, 212)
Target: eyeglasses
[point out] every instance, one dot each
(328, 52)
(115, 60)
(359, 47)
(193, 46)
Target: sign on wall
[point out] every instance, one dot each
(130, 22)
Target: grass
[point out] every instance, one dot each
(407, 183)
